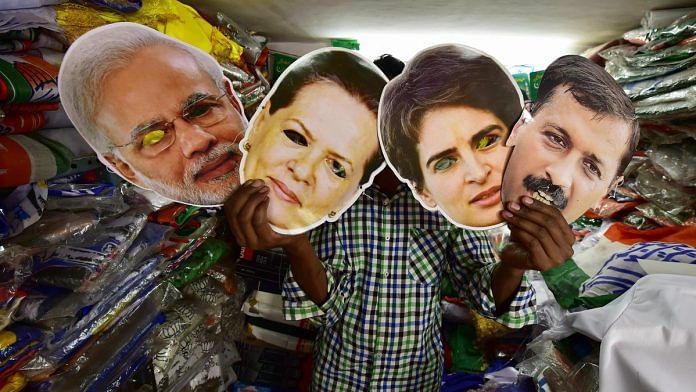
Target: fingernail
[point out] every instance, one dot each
(255, 183)
(506, 215)
(263, 189)
(527, 200)
(514, 206)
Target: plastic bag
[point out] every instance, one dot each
(102, 315)
(98, 364)
(75, 265)
(184, 341)
(664, 193)
(105, 205)
(15, 268)
(678, 161)
(22, 208)
(209, 253)
(661, 84)
(167, 16)
(252, 48)
(673, 104)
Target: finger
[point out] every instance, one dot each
(545, 217)
(538, 258)
(235, 207)
(553, 215)
(554, 252)
(246, 226)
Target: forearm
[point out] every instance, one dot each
(307, 270)
(505, 284)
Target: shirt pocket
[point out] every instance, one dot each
(427, 252)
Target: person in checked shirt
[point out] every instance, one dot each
(371, 279)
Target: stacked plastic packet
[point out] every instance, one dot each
(93, 274)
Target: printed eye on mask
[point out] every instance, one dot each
(443, 126)
(157, 111)
(313, 141)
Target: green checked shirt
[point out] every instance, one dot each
(380, 327)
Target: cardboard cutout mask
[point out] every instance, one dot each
(574, 147)
(314, 139)
(443, 124)
(156, 111)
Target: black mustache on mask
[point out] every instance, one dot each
(533, 184)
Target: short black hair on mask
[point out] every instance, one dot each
(593, 88)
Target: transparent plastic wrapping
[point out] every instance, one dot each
(21, 344)
(678, 161)
(661, 84)
(148, 243)
(184, 339)
(15, 268)
(662, 132)
(83, 259)
(102, 315)
(97, 366)
(182, 245)
(22, 208)
(665, 194)
(637, 36)
(619, 69)
(209, 253)
(673, 104)
(210, 293)
(57, 227)
(108, 204)
(252, 48)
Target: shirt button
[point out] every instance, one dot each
(385, 203)
(387, 238)
(385, 274)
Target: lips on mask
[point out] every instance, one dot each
(545, 191)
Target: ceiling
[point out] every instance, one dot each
(516, 32)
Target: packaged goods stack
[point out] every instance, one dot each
(105, 286)
(276, 354)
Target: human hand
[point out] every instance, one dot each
(540, 237)
(246, 212)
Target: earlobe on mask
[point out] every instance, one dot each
(122, 168)
(524, 119)
(427, 199)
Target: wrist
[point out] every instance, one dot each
(296, 245)
(509, 271)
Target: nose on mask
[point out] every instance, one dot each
(545, 191)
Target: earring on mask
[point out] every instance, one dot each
(332, 214)
(247, 146)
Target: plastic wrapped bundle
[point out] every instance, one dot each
(15, 268)
(30, 158)
(209, 253)
(22, 208)
(18, 344)
(669, 197)
(182, 342)
(167, 16)
(102, 363)
(105, 203)
(75, 265)
(25, 78)
(678, 161)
